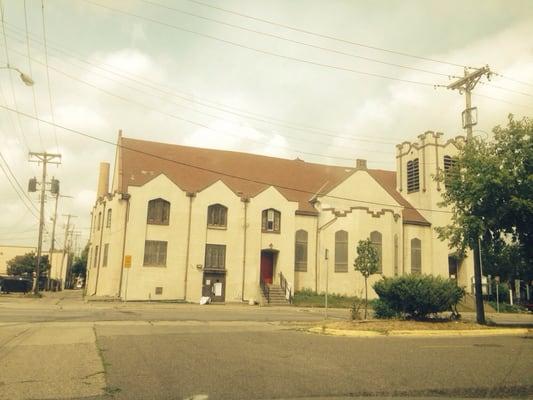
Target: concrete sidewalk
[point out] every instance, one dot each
(49, 362)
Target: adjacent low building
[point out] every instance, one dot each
(58, 261)
(178, 222)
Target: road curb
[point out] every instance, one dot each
(422, 333)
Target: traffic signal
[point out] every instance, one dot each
(32, 185)
(54, 186)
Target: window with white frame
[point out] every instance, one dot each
(271, 221)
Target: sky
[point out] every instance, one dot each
(214, 74)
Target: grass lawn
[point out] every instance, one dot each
(308, 298)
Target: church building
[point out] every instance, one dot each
(177, 223)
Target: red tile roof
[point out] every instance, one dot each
(193, 169)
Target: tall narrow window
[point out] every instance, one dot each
(449, 164)
(300, 251)
(413, 181)
(106, 252)
(217, 216)
(155, 253)
(96, 257)
(396, 255)
(376, 238)
(341, 251)
(158, 212)
(108, 221)
(416, 256)
(99, 220)
(215, 256)
(271, 220)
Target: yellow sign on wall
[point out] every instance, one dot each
(127, 261)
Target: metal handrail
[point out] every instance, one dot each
(265, 289)
(285, 287)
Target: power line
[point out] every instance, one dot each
(296, 41)
(14, 186)
(512, 79)
(186, 97)
(504, 101)
(324, 36)
(190, 121)
(48, 74)
(506, 89)
(198, 167)
(31, 74)
(300, 60)
(306, 140)
(21, 130)
(303, 140)
(17, 183)
(331, 38)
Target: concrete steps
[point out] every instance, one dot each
(277, 296)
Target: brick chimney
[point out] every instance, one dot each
(360, 163)
(103, 180)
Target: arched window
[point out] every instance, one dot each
(300, 251)
(341, 251)
(416, 256)
(217, 216)
(375, 238)
(413, 181)
(158, 212)
(271, 220)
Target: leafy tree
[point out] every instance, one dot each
(367, 263)
(490, 191)
(79, 266)
(25, 265)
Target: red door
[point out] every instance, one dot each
(267, 266)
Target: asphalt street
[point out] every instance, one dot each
(110, 351)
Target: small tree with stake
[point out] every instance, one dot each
(367, 263)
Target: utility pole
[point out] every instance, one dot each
(54, 219)
(469, 116)
(465, 85)
(67, 226)
(44, 158)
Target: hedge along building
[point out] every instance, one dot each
(181, 222)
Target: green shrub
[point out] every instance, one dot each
(382, 310)
(503, 292)
(418, 296)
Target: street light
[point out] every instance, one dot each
(24, 77)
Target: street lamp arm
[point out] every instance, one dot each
(28, 81)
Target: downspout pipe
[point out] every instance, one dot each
(245, 201)
(126, 197)
(191, 196)
(101, 223)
